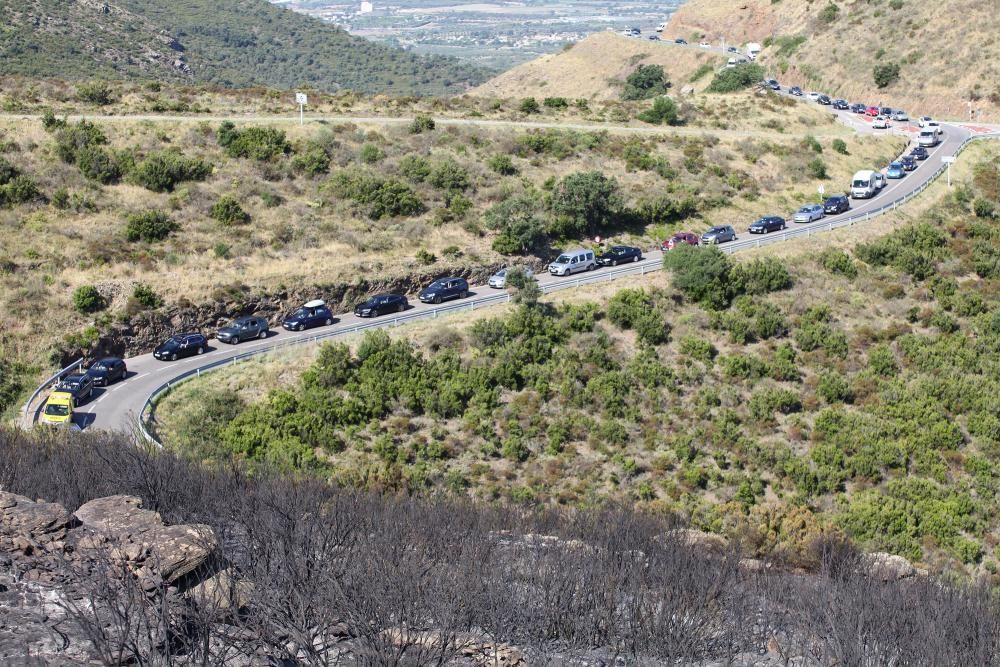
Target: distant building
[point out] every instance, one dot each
(367, 8)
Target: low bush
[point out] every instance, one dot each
(150, 225)
(144, 295)
(255, 143)
(840, 146)
(760, 276)
(529, 105)
(163, 170)
(421, 123)
(228, 212)
(98, 165)
(19, 190)
(449, 175)
(839, 262)
(97, 92)
(764, 403)
(885, 74)
(379, 197)
(736, 78)
(370, 154)
(503, 165)
(646, 82)
(664, 111)
(700, 273)
(86, 299)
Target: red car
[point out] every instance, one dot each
(872, 111)
(678, 238)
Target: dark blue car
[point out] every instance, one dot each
(444, 289)
(312, 314)
(380, 304)
(107, 370)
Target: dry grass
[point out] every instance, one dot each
(948, 51)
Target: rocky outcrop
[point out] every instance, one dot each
(890, 567)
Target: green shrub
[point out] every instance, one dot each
(703, 69)
(664, 111)
(414, 168)
(810, 142)
(163, 170)
(145, 295)
(647, 81)
(228, 212)
(70, 139)
(839, 262)
(788, 45)
(19, 190)
(150, 225)
(313, 161)
(98, 93)
(651, 328)
(422, 123)
(425, 257)
(449, 175)
(627, 306)
(556, 102)
(370, 154)
(7, 171)
(586, 202)
(698, 348)
(503, 165)
(885, 74)
(834, 388)
(984, 208)
(736, 78)
(817, 169)
(255, 143)
(840, 146)
(529, 105)
(700, 273)
(380, 197)
(744, 367)
(96, 164)
(764, 403)
(86, 299)
(50, 123)
(760, 276)
(829, 13)
(516, 218)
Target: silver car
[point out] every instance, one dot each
(900, 115)
(719, 234)
(808, 213)
(499, 279)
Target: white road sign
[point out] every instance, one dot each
(301, 99)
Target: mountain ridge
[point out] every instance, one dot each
(231, 43)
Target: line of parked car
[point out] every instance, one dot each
(77, 388)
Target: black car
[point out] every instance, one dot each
(80, 385)
(886, 111)
(795, 90)
(107, 370)
(919, 153)
(443, 289)
(680, 41)
(767, 224)
(859, 108)
(824, 99)
(310, 314)
(619, 254)
(909, 164)
(836, 204)
(840, 105)
(773, 84)
(181, 345)
(380, 304)
(241, 329)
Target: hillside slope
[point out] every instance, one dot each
(595, 67)
(223, 42)
(947, 51)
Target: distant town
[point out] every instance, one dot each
(494, 34)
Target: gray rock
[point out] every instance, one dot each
(23, 516)
(118, 516)
(176, 551)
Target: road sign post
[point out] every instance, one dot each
(948, 159)
(301, 99)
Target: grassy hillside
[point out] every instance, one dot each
(596, 68)
(219, 42)
(948, 52)
(126, 202)
(847, 388)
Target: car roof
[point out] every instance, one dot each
(315, 303)
(108, 360)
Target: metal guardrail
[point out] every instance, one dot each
(27, 409)
(640, 268)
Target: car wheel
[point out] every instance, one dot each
(463, 295)
(173, 357)
(301, 327)
(591, 267)
(401, 307)
(236, 340)
(782, 228)
(201, 350)
(636, 258)
(328, 321)
(437, 301)
(262, 335)
(614, 262)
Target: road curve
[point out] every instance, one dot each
(118, 406)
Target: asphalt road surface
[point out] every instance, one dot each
(118, 406)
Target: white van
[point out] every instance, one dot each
(928, 137)
(865, 184)
(661, 27)
(573, 261)
(753, 50)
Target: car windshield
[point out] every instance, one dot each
(99, 367)
(501, 274)
(301, 312)
(174, 340)
(860, 184)
(563, 259)
(70, 383)
(56, 410)
(438, 284)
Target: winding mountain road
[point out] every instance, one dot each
(121, 405)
